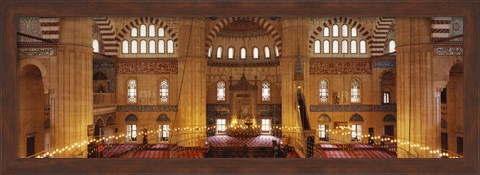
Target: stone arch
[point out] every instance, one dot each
(110, 120)
(106, 34)
(39, 65)
(389, 118)
(324, 118)
(382, 27)
(163, 118)
(356, 118)
(147, 20)
(131, 118)
(99, 121)
(212, 34)
(52, 32)
(362, 31)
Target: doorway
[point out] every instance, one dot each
(444, 141)
(30, 145)
(388, 130)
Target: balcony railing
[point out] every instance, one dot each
(103, 99)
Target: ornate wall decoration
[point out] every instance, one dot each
(147, 108)
(108, 68)
(384, 64)
(351, 108)
(217, 110)
(105, 118)
(232, 63)
(456, 28)
(148, 67)
(30, 26)
(448, 51)
(340, 68)
(391, 108)
(36, 51)
(268, 110)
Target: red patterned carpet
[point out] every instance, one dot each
(147, 154)
(227, 141)
(351, 151)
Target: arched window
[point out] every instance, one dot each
(134, 47)
(355, 91)
(134, 32)
(124, 46)
(161, 32)
(169, 46)
(323, 91)
(151, 46)
(161, 46)
(219, 52)
(143, 46)
(335, 46)
(326, 31)
(323, 122)
(344, 30)
(354, 32)
(132, 91)
(356, 127)
(363, 46)
(230, 52)
(143, 30)
(335, 30)
(221, 91)
(151, 30)
(386, 97)
(131, 123)
(353, 46)
(95, 46)
(164, 91)
(277, 52)
(209, 55)
(326, 46)
(164, 127)
(267, 52)
(344, 46)
(391, 46)
(243, 53)
(265, 91)
(317, 46)
(386, 85)
(255, 53)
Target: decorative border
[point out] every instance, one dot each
(269, 110)
(147, 67)
(448, 51)
(37, 51)
(147, 108)
(213, 63)
(384, 64)
(340, 68)
(353, 108)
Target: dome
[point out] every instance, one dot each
(243, 42)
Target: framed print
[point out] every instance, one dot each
(239, 87)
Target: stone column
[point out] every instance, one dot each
(72, 84)
(293, 30)
(454, 109)
(418, 121)
(192, 102)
